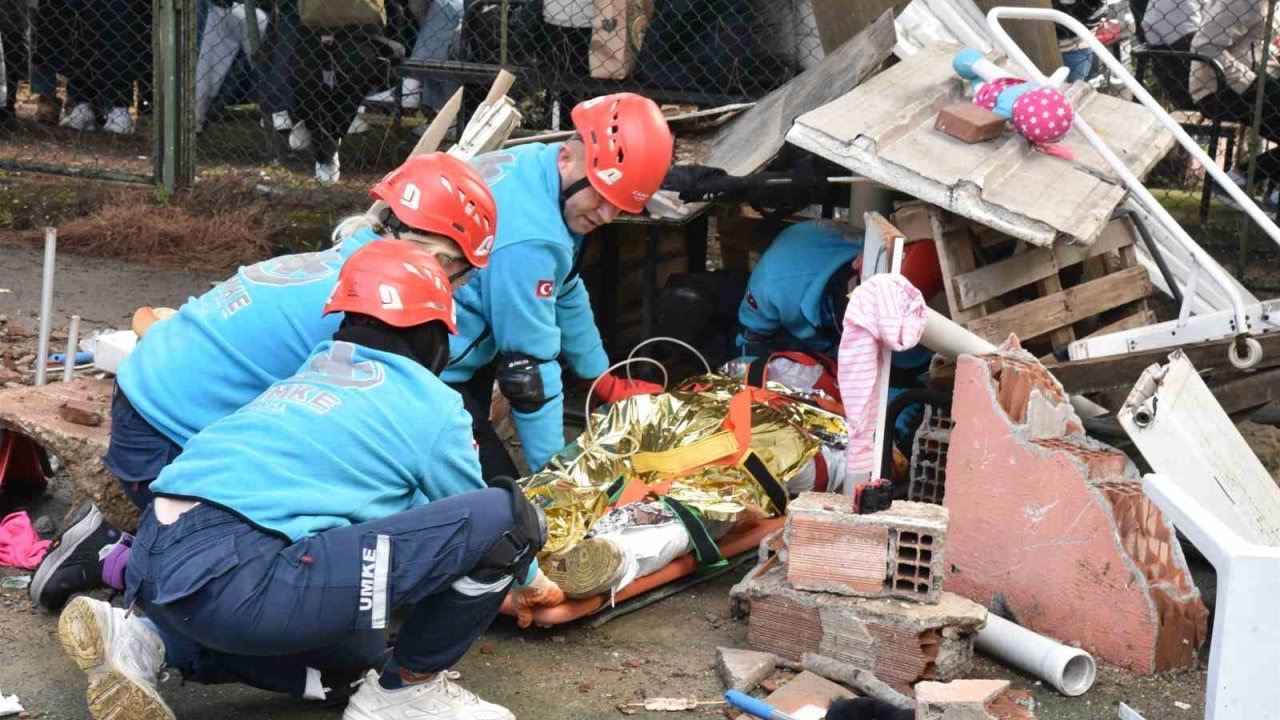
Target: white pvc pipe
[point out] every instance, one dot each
(69, 362)
(46, 303)
(1134, 185)
(943, 336)
(1070, 670)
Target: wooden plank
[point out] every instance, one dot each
(1037, 317)
(1247, 393)
(839, 20)
(755, 137)
(992, 281)
(1120, 371)
(1186, 436)
(955, 256)
(1051, 285)
(1037, 39)
(1142, 318)
(616, 33)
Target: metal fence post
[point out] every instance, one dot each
(174, 69)
(502, 33)
(1246, 227)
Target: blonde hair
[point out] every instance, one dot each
(353, 224)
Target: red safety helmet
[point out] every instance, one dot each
(440, 194)
(396, 281)
(629, 147)
(919, 266)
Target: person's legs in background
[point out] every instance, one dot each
(226, 34)
(13, 39)
(276, 78)
(1078, 62)
(120, 38)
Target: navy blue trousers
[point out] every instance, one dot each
(137, 452)
(237, 604)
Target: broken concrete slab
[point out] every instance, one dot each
(972, 700)
(900, 642)
(1060, 528)
(883, 129)
(35, 411)
(752, 140)
(805, 690)
(743, 669)
(894, 553)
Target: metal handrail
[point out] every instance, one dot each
(1131, 182)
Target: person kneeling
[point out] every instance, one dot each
(284, 536)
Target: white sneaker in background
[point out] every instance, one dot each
(81, 118)
(410, 95)
(280, 121)
(359, 125)
(300, 137)
(120, 122)
(122, 656)
(330, 172)
(439, 699)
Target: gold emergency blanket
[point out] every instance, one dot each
(643, 437)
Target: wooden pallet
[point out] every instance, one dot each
(1048, 297)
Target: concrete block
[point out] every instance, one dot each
(972, 700)
(806, 690)
(743, 669)
(900, 642)
(81, 413)
(894, 553)
(1059, 526)
(35, 411)
(969, 123)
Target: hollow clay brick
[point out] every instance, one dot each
(1060, 529)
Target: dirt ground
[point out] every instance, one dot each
(666, 649)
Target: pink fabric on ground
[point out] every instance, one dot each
(885, 310)
(20, 546)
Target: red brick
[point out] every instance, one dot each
(969, 123)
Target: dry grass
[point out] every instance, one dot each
(216, 225)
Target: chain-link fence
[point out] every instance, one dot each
(331, 89)
(1214, 65)
(78, 86)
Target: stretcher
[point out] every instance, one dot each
(744, 538)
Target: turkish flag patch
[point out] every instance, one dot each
(751, 300)
(545, 289)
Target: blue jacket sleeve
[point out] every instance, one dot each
(451, 465)
(521, 303)
(579, 337)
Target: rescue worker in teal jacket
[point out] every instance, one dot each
(529, 308)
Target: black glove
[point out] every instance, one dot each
(865, 708)
(700, 183)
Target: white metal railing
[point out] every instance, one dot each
(1239, 316)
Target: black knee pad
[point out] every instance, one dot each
(514, 551)
(520, 381)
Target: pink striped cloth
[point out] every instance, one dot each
(886, 310)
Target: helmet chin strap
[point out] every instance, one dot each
(573, 189)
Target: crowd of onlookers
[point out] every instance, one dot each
(311, 82)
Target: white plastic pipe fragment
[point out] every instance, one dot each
(46, 303)
(950, 340)
(73, 338)
(1070, 670)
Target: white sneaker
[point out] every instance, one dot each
(410, 95)
(122, 656)
(439, 699)
(330, 172)
(280, 121)
(120, 122)
(359, 125)
(82, 118)
(300, 137)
